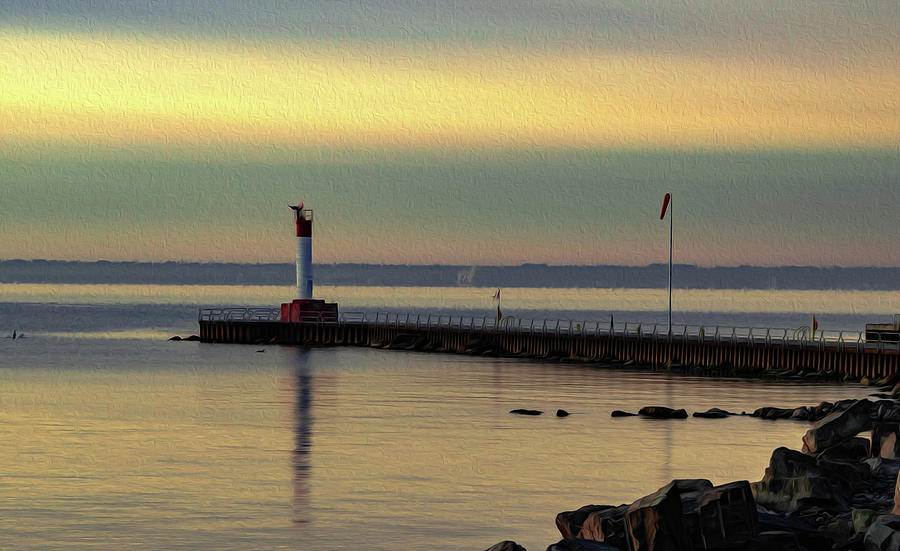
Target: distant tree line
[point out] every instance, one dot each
(527, 275)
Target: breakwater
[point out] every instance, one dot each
(697, 347)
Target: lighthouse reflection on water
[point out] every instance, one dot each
(303, 431)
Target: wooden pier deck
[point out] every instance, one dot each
(709, 348)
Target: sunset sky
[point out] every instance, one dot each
(452, 132)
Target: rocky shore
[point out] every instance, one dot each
(839, 491)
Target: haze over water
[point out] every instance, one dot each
(119, 439)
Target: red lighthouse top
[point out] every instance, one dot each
(303, 218)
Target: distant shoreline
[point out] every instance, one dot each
(526, 275)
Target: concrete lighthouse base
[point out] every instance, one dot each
(309, 310)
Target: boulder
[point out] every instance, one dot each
(562, 413)
(883, 534)
(654, 523)
(862, 519)
(723, 516)
(838, 426)
(774, 541)
(848, 451)
(193, 338)
(574, 544)
(175, 338)
(569, 523)
(808, 535)
(620, 413)
(506, 545)
(887, 411)
(660, 412)
(800, 414)
(526, 411)
(885, 441)
(820, 411)
(607, 526)
(896, 509)
(794, 481)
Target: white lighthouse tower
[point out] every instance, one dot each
(304, 218)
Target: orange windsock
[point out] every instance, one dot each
(662, 213)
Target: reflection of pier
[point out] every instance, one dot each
(304, 438)
(709, 347)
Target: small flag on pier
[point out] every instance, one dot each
(815, 325)
(496, 297)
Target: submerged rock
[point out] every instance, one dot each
(772, 413)
(175, 338)
(713, 413)
(562, 413)
(526, 411)
(620, 413)
(660, 412)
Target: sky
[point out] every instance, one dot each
(452, 132)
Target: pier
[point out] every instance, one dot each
(707, 349)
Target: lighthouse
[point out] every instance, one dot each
(304, 218)
(305, 309)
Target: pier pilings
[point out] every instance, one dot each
(699, 350)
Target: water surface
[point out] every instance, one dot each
(115, 438)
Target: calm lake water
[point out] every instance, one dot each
(115, 438)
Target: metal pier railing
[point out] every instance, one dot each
(655, 332)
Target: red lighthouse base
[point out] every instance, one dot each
(309, 311)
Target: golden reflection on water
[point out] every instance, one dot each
(468, 298)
